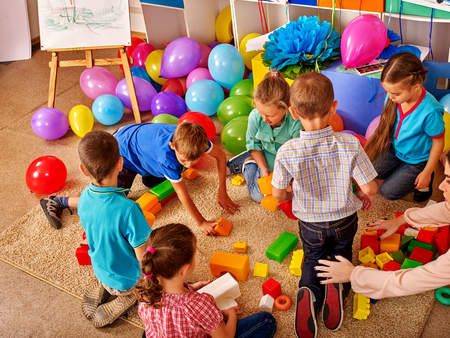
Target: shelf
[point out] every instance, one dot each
(415, 18)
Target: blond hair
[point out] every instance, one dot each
(190, 140)
(273, 90)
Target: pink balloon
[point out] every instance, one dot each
(140, 54)
(144, 93)
(372, 126)
(180, 57)
(363, 39)
(98, 81)
(198, 74)
(205, 50)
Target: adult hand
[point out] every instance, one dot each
(336, 272)
(391, 226)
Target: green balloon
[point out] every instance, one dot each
(243, 87)
(234, 135)
(233, 107)
(165, 118)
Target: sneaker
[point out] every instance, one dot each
(422, 196)
(305, 314)
(109, 312)
(333, 306)
(52, 211)
(92, 298)
(236, 163)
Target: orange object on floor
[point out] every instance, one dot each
(147, 201)
(155, 209)
(283, 302)
(190, 173)
(225, 228)
(270, 203)
(237, 265)
(265, 184)
(149, 217)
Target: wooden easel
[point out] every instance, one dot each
(89, 63)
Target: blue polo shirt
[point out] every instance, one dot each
(114, 226)
(415, 129)
(145, 149)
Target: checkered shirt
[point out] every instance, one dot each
(320, 164)
(190, 315)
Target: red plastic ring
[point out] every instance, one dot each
(283, 302)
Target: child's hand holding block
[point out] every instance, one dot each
(265, 184)
(225, 228)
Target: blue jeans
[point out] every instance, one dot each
(323, 239)
(252, 173)
(258, 325)
(398, 176)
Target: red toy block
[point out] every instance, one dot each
(392, 266)
(401, 230)
(426, 236)
(441, 243)
(371, 241)
(168, 198)
(286, 206)
(83, 256)
(445, 230)
(271, 287)
(421, 255)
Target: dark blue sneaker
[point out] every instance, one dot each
(305, 314)
(235, 164)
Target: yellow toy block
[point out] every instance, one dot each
(238, 180)
(225, 228)
(261, 270)
(240, 247)
(361, 306)
(297, 263)
(149, 217)
(155, 209)
(270, 203)
(370, 265)
(390, 244)
(265, 184)
(432, 229)
(382, 259)
(190, 173)
(237, 265)
(369, 232)
(367, 255)
(147, 201)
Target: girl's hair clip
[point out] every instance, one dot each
(149, 276)
(151, 250)
(275, 73)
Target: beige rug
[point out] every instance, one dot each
(31, 245)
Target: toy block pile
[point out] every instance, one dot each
(407, 248)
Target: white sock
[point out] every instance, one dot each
(425, 189)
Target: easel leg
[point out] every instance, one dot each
(52, 86)
(127, 71)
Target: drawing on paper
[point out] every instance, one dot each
(83, 23)
(437, 4)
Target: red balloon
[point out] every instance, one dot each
(174, 86)
(135, 41)
(201, 119)
(46, 175)
(361, 139)
(183, 83)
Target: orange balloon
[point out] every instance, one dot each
(336, 123)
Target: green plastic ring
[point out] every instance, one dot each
(440, 295)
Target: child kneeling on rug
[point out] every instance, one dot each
(170, 307)
(320, 165)
(115, 228)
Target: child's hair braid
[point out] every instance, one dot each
(273, 90)
(169, 248)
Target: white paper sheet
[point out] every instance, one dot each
(444, 5)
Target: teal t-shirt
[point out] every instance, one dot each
(114, 226)
(261, 136)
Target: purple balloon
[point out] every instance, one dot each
(140, 54)
(213, 44)
(180, 57)
(144, 93)
(372, 127)
(198, 74)
(97, 81)
(49, 123)
(168, 103)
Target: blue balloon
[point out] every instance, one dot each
(204, 96)
(168, 103)
(250, 76)
(107, 109)
(445, 102)
(139, 71)
(226, 65)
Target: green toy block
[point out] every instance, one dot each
(398, 256)
(163, 190)
(282, 246)
(409, 263)
(405, 242)
(426, 246)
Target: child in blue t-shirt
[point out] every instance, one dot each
(409, 140)
(115, 228)
(269, 126)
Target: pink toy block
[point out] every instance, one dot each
(83, 256)
(271, 287)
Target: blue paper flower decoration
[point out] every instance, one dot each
(300, 45)
(390, 49)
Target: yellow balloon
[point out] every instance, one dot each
(224, 32)
(248, 56)
(81, 120)
(153, 66)
(447, 131)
